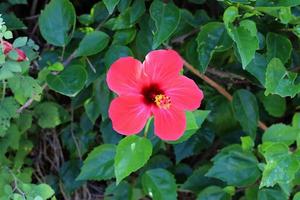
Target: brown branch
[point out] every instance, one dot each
(218, 87)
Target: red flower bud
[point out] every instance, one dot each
(7, 47)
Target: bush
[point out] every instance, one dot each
(83, 117)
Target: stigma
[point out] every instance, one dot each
(162, 101)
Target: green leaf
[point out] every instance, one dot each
(277, 3)
(115, 52)
(8, 110)
(281, 133)
(138, 9)
(20, 42)
(122, 191)
(198, 181)
(110, 5)
(132, 153)
(9, 68)
(209, 39)
(274, 104)
(56, 20)
(278, 46)
(25, 87)
(247, 143)
(194, 121)
(159, 184)
(245, 35)
(99, 165)
(245, 110)
(69, 82)
(279, 81)
(281, 165)
(235, 166)
(32, 191)
(297, 196)
(50, 114)
(257, 67)
(213, 193)
(92, 43)
(271, 194)
(124, 37)
(166, 17)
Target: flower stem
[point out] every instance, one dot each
(146, 130)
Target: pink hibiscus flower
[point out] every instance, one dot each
(152, 88)
(7, 47)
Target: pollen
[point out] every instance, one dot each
(162, 101)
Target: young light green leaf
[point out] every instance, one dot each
(8, 110)
(281, 133)
(132, 153)
(92, 43)
(159, 184)
(281, 165)
(56, 20)
(25, 87)
(166, 17)
(50, 115)
(99, 165)
(69, 82)
(245, 110)
(245, 35)
(279, 81)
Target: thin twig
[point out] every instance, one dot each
(218, 87)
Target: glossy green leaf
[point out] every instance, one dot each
(213, 193)
(56, 21)
(245, 110)
(132, 153)
(99, 165)
(159, 184)
(277, 3)
(115, 52)
(214, 32)
(92, 43)
(278, 46)
(198, 181)
(110, 5)
(69, 82)
(138, 9)
(166, 17)
(235, 166)
(271, 194)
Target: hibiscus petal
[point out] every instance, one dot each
(184, 93)
(129, 114)
(169, 124)
(160, 65)
(124, 76)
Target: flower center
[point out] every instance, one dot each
(162, 101)
(154, 95)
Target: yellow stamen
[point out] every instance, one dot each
(162, 101)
